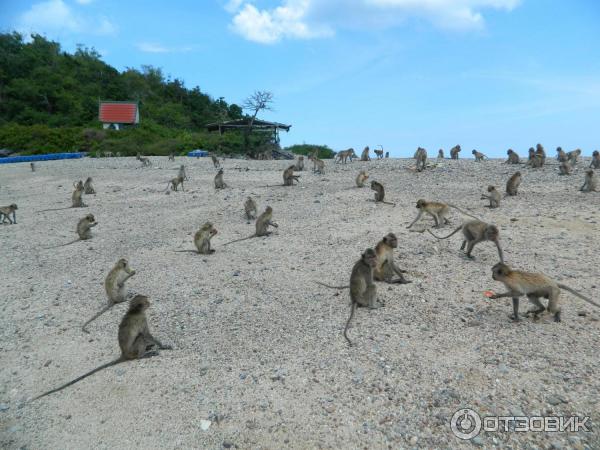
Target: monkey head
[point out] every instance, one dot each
(491, 188)
(139, 304)
(391, 240)
(90, 218)
(13, 206)
(268, 210)
(370, 257)
(220, 172)
(595, 153)
(559, 149)
(500, 271)
(421, 203)
(492, 232)
(509, 151)
(209, 226)
(123, 264)
(474, 151)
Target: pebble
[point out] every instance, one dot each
(4, 407)
(205, 424)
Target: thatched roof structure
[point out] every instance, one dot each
(258, 125)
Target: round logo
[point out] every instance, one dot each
(465, 424)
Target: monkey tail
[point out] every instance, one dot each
(577, 294)
(185, 251)
(352, 308)
(54, 209)
(238, 240)
(463, 212)
(332, 287)
(445, 237)
(62, 245)
(388, 203)
(97, 369)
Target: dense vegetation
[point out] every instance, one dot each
(49, 103)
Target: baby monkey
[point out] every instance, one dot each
(534, 286)
(590, 182)
(114, 284)
(386, 269)
(202, 240)
(494, 197)
(135, 340)
(595, 164)
(84, 230)
(379, 193)
(250, 208)
(478, 156)
(174, 183)
(289, 177)
(513, 158)
(262, 225)
(361, 178)
(6, 211)
(512, 185)
(474, 232)
(87, 186)
(219, 183)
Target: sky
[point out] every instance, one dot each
(486, 74)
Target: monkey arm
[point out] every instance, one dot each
(506, 294)
(500, 253)
(273, 224)
(417, 218)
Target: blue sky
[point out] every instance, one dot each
(488, 74)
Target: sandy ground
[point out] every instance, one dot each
(259, 359)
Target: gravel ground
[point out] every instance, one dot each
(259, 359)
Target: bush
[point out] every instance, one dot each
(324, 152)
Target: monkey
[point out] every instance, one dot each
(573, 156)
(386, 269)
(84, 230)
(474, 232)
(595, 164)
(87, 186)
(250, 208)
(454, 151)
(478, 156)
(441, 153)
(437, 210)
(76, 201)
(32, 165)
(513, 158)
(536, 162)
(590, 183)
(512, 185)
(108, 154)
(361, 178)
(494, 197)
(300, 164)
(318, 165)
(174, 183)
(365, 154)
(6, 211)
(379, 153)
(531, 153)
(564, 168)
(421, 157)
(145, 161)
(219, 183)
(539, 151)
(534, 286)
(362, 288)
(114, 284)
(387, 154)
(344, 155)
(135, 340)
(379, 193)
(182, 174)
(202, 240)
(262, 225)
(289, 177)
(172, 156)
(561, 156)
(215, 161)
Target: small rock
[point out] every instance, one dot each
(502, 368)
(227, 444)
(554, 400)
(205, 424)
(4, 407)
(470, 308)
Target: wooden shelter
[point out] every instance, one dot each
(258, 125)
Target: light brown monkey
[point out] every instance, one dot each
(145, 161)
(573, 156)
(174, 183)
(541, 153)
(262, 225)
(32, 165)
(441, 153)
(365, 154)
(344, 155)
(534, 286)
(219, 183)
(474, 232)
(300, 164)
(512, 185)
(531, 153)
(135, 340)
(590, 182)
(215, 161)
(250, 208)
(289, 177)
(478, 155)
(202, 240)
(421, 157)
(454, 151)
(438, 211)
(564, 168)
(318, 165)
(595, 164)
(114, 284)
(172, 156)
(76, 201)
(561, 156)
(87, 186)
(379, 193)
(181, 173)
(361, 178)
(494, 197)
(84, 230)
(6, 211)
(386, 269)
(537, 162)
(513, 158)
(379, 153)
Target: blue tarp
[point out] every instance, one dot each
(197, 153)
(51, 156)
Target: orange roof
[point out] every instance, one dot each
(118, 112)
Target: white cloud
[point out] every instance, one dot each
(306, 19)
(152, 47)
(55, 16)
